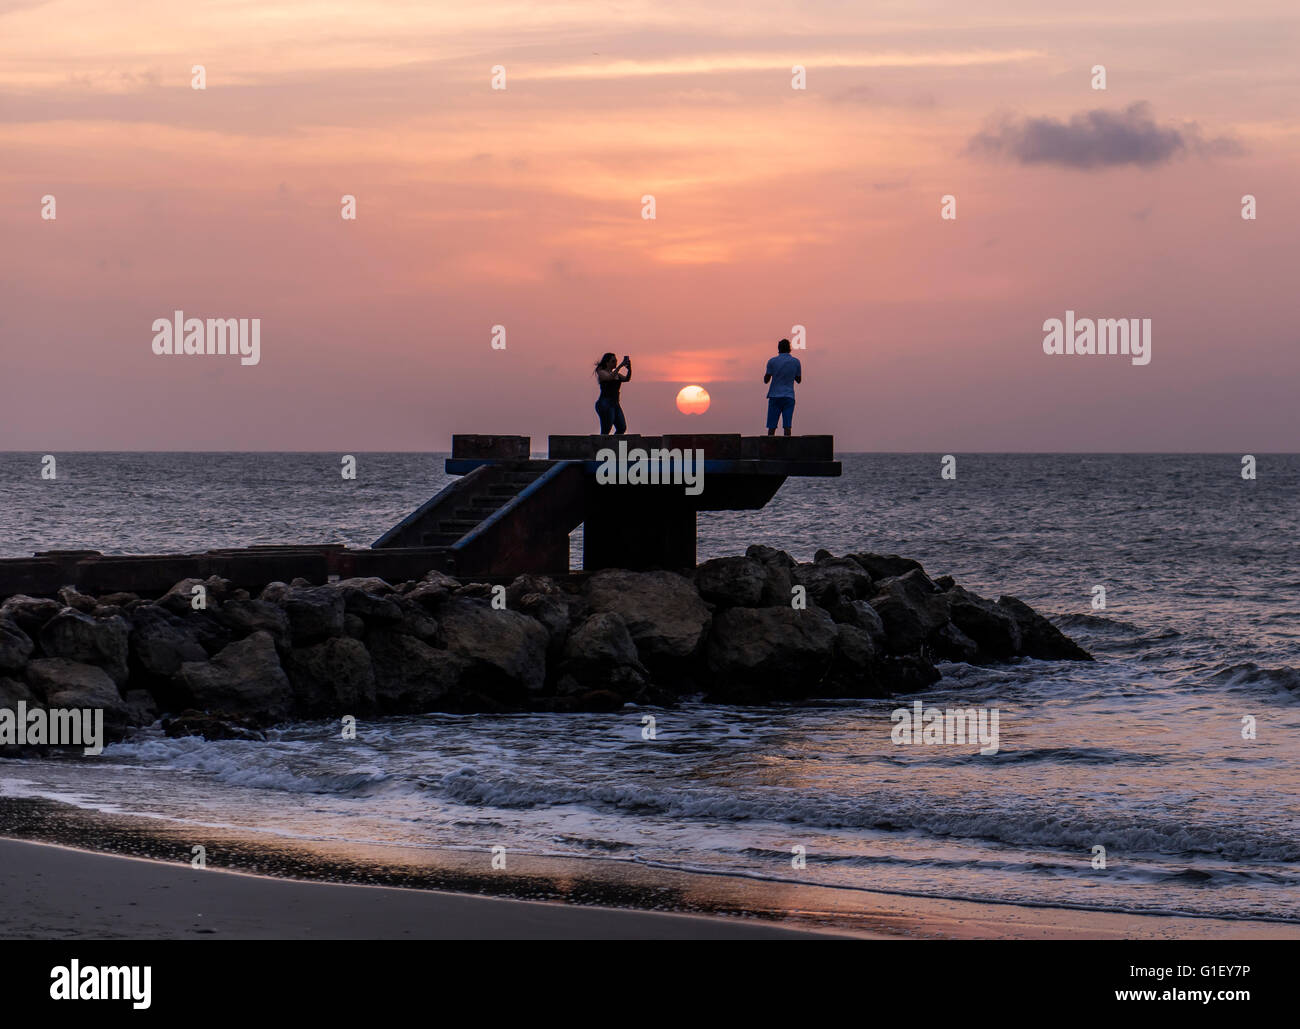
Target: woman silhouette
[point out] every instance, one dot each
(608, 409)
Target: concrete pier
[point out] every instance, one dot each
(508, 513)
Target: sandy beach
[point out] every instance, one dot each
(64, 893)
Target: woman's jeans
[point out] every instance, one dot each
(610, 413)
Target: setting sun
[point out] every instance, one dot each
(693, 400)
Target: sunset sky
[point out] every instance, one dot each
(522, 207)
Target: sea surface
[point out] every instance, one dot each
(1143, 753)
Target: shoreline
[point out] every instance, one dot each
(456, 895)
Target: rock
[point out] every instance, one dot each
(371, 584)
(315, 613)
(244, 678)
(12, 691)
(477, 591)
(853, 670)
(412, 677)
(945, 583)
(334, 677)
(371, 599)
(160, 643)
(1039, 637)
(78, 601)
(778, 581)
(415, 621)
(911, 608)
(993, 629)
(94, 641)
(179, 600)
(275, 593)
(770, 652)
(886, 566)
(663, 611)
(432, 590)
(75, 684)
(600, 651)
(769, 555)
(949, 643)
(354, 626)
(140, 708)
(530, 584)
(910, 673)
(861, 614)
(210, 727)
(16, 647)
(245, 617)
(29, 613)
(732, 581)
(833, 581)
(122, 600)
(553, 611)
(506, 649)
(213, 637)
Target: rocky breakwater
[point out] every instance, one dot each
(741, 630)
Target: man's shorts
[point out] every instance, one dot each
(782, 407)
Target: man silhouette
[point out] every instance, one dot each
(783, 371)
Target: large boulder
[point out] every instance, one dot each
(245, 617)
(778, 580)
(213, 636)
(886, 566)
(855, 669)
(770, 652)
(74, 684)
(732, 581)
(29, 613)
(181, 598)
(315, 613)
(370, 599)
(833, 580)
(103, 642)
(911, 608)
(993, 629)
(432, 590)
(14, 690)
(160, 643)
(412, 677)
(72, 597)
(333, 677)
(1039, 637)
(600, 654)
(663, 611)
(244, 678)
(507, 650)
(16, 647)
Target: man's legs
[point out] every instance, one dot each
(787, 413)
(773, 412)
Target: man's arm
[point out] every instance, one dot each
(798, 375)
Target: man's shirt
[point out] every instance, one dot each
(784, 369)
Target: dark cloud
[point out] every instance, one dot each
(1096, 139)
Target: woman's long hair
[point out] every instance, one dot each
(601, 363)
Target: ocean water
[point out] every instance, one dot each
(1141, 753)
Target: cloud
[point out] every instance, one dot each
(1096, 139)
